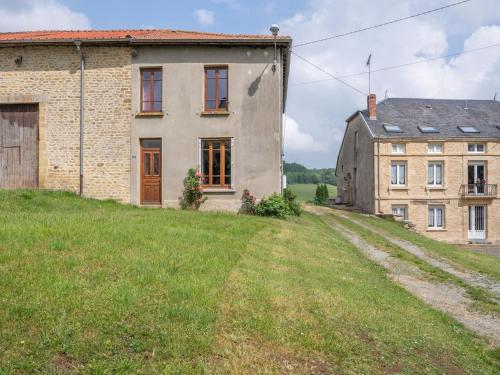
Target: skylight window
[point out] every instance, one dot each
(468, 129)
(392, 128)
(428, 129)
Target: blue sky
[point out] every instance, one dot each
(230, 16)
(316, 112)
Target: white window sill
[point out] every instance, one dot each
(437, 230)
(219, 190)
(150, 114)
(435, 187)
(399, 187)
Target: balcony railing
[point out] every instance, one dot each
(479, 190)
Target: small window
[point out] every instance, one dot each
(392, 128)
(436, 217)
(216, 89)
(398, 173)
(475, 147)
(468, 129)
(400, 211)
(435, 174)
(428, 129)
(151, 90)
(435, 148)
(398, 148)
(216, 162)
(356, 141)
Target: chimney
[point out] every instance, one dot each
(372, 106)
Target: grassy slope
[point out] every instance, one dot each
(306, 192)
(459, 256)
(97, 286)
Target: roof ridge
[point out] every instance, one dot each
(135, 30)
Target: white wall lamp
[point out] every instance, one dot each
(275, 30)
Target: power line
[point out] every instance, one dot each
(330, 74)
(381, 24)
(400, 65)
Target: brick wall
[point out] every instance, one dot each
(51, 77)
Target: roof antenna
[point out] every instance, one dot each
(369, 65)
(386, 95)
(495, 97)
(466, 106)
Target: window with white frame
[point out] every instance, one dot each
(435, 173)
(398, 173)
(436, 217)
(475, 147)
(398, 148)
(435, 148)
(401, 211)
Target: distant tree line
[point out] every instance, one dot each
(298, 174)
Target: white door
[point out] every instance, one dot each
(477, 222)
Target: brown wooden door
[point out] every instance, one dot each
(18, 146)
(151, 172)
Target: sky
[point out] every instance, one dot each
(316, 112)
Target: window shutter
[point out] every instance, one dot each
(233, 179)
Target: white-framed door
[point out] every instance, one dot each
(477, 222)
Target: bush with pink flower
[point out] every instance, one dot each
(192, 197)
(247, 203)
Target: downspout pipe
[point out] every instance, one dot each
(82, 109)
(378, 175)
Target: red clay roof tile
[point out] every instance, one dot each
(117, 35)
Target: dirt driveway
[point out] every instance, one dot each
(445, 296)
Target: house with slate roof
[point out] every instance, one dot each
(123, 114)
(432, 163)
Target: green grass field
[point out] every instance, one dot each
(97, 287)
(306, 192)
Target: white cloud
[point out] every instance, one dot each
(205, 17)
(21, 15)
(325, 106)
(298, 140)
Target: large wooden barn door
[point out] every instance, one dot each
(18, 146)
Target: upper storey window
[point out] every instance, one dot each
(398, 148)
(475, 147)
(216, 89)
(151, 90)
(435, 148)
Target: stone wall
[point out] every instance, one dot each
(51, 76)
(418, 196)
(357, 162)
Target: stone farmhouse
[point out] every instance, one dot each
(433, 163)
(124, 114)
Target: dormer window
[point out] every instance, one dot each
(398, 148)
(427, 129)
(468, 129)
(392, 128)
